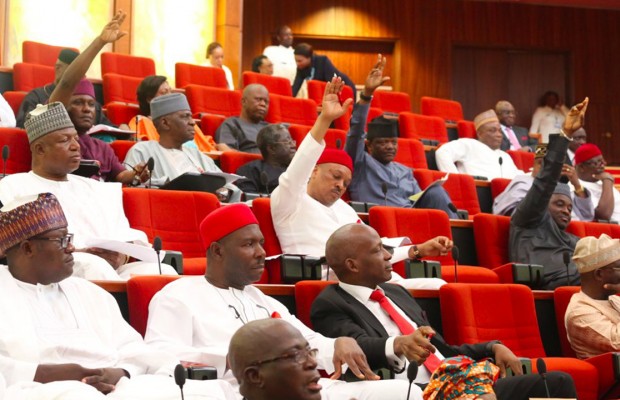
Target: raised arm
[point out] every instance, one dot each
(77, 69)
(331, 110)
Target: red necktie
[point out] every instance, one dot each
(432, 361)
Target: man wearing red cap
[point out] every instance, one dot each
(195, 318)
(590, 166)
(306, 207)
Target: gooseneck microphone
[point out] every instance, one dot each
(384, 189)
(566, 257)
(5, 156)
(541, 366)
(455, 256)
(179, 378)
(501, 162)
(157, 248)
(150, 164)
(264, 180)
(338, 144)
(412, 372)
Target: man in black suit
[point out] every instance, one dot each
(362, 264)
(515, 137)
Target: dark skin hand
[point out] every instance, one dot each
(347, 351)
(102, 379)
(505, 358)
(415, 346)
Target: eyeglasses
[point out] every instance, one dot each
(298, 356)
(64, 240)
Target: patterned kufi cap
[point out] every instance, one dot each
(27, 217)
(485, 118)
(46, 119)
(592, 253)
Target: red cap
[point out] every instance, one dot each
(84, 87)
(337, 157)
(586, 152)
(224, 221)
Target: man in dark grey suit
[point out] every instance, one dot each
(363, 266)
(515, 137)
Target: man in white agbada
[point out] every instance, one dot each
(63, 337)
(173, 120)
(195, 317)
(283, 55)
(479, 157)
(306, 206)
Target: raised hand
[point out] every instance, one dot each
(437, 246)
(112, 30)
(575, 117)
(332, 108)
(375, 77)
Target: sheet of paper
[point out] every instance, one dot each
(143, 253)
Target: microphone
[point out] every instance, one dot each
(150, 164)
(137, 127)
(5, 157)
(542, 370)
(264, 180)
(455, 256)
(157, 248)
(412, 372)
(384, 189)
(338, 144)
(566, 257)
(501, 162)
(179, 378)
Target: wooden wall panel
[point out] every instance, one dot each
(427, 31)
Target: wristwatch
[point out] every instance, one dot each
(416, 253)
(365, 98)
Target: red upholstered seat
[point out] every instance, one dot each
(20, 158)
(262, 210)
(29, 76)
(411, 153)
(334, 138)
(460, 187)
(448, 110)
(230, 161)
(466, 129)
(498, 185)
(212, 100)
(41, 53)
(124, 64)
(121, 148)
(210, 122)
(191, 74)
(140, 291)
(523, 160)
(15, 99)
(473, 313)
(491, 236)
(121, 113)
(417, 126)
(174, 216)
(291, 110)
(274, 84)
(120, 88)
(316, 89)
(305, 293)
(421, 225)
(390, 101)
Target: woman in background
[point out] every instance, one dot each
(215, 58)
(549, 116)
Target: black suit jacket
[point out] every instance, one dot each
(523, 137)
(324, 70)
(336, 313)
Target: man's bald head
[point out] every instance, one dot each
(254, 103)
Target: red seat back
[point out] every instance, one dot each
(316, 89)
(417, 126)
(491, 234)
(274, 84)
(262, 209)
(305, 293)
(210, 122)
(411, 153)
(498, 185)
(230, 161)
(390, 101)
(41, 53)
(333, 137)
(460, 187)
(124, 64)
(120, 88)
(20, 157)
(561, 298)
(466, 129)
(15, 99)
(140, 291)
(449, 110)
(121, 148)
(191, 74)
(522, 159)
(290, 110)
(212, 100)
(29, 76)
(121, 113)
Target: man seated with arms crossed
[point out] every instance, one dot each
(173, 119)
(478, 157)
(63, 337)
(593, 315)
(94, 209)
(194, 318)
(392, 329)
(306, 207)
(590, 166)
(538, 226)
(375, 168)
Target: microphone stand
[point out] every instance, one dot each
(157, 248)
(566, 257)
(384, 189)
(455, 256)
(179, 378)
(5, 157)
(412, 372)
(541, 366)
(501, 171)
